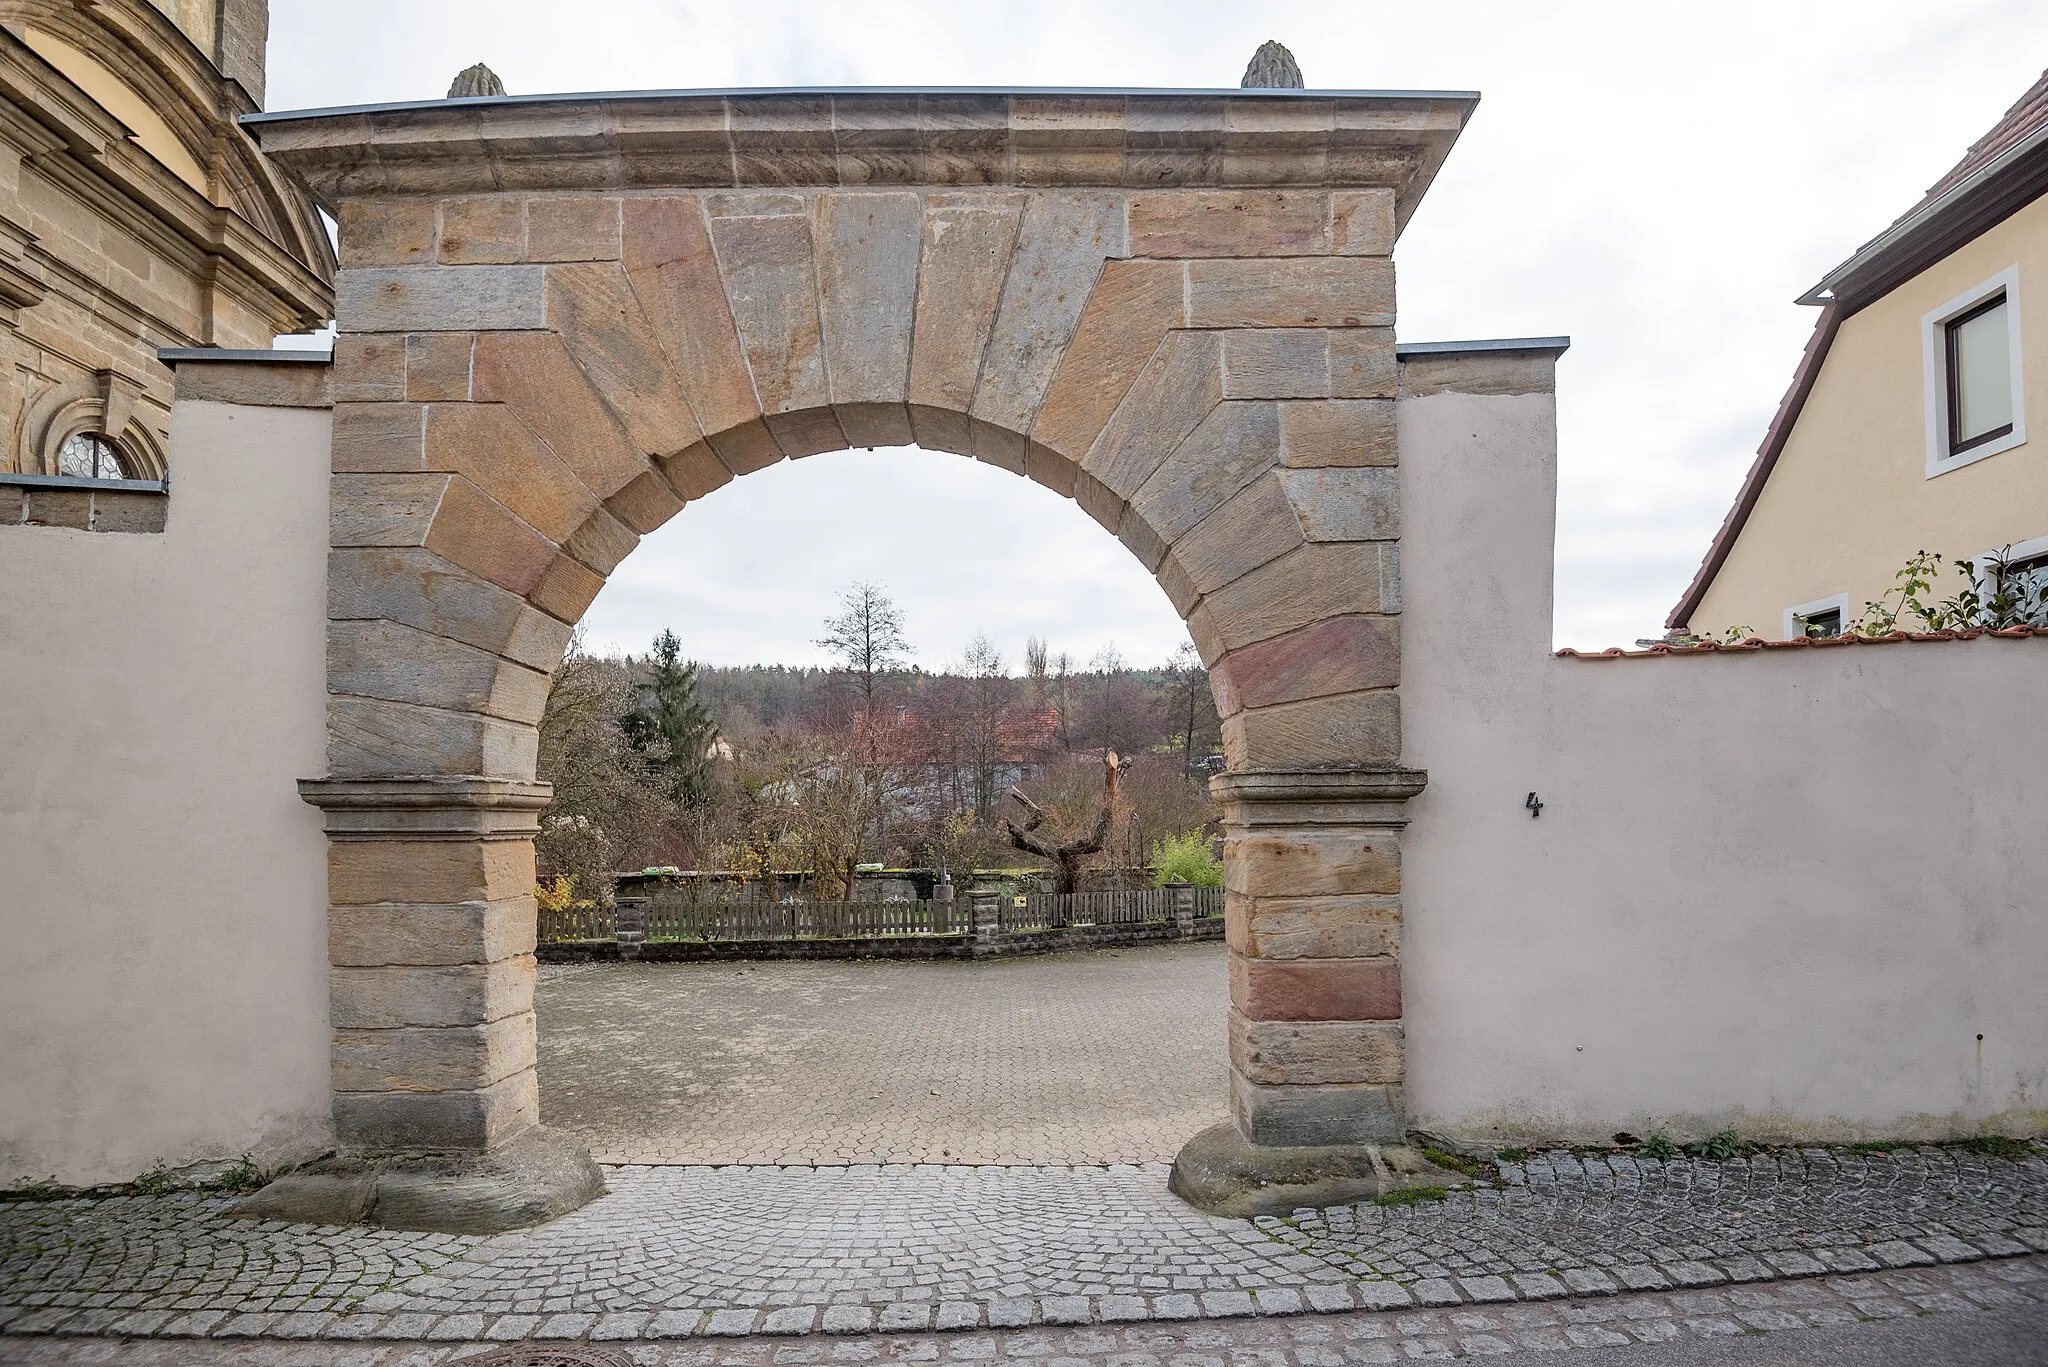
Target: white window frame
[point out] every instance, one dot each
(1980, 564)
(1792, 615)
(1934, 359)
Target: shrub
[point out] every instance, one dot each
(1186, 859)
(1719, 1147)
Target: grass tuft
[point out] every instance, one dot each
(1452, 1162)
(1998, 1146)
(1410, 1196)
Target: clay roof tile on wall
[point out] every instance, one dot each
(1754, 644)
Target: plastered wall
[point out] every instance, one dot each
(1784, 892)
(163, 958)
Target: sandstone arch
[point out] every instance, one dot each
(563, 320)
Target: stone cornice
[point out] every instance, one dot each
(428, 808)
(1137, 140)
(1346, 797)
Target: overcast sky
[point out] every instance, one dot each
(1656, 180)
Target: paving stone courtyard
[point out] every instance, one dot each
(688, 1252)
(1113, 1056)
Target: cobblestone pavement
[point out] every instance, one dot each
(2012, 1292)
(1112, 1056)
(684, 1251)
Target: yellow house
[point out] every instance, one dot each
(1905, 428)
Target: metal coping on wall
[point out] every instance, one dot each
(139, 486)
(263, 117)
(1550, 346)
(189, 355)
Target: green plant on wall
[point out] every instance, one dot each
(1996, 594)
(1186, 859)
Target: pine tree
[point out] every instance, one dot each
(674, 727)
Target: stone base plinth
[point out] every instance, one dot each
(1219, 1171)
(526, 1181)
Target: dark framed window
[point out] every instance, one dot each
(1820, 626)
(1979, 351)
(91, 455)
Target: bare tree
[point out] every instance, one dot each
(988, 706)
(1067, 855)
(867, 634)
(1193, 706)
(1036, 660)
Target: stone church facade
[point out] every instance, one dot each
(135, 216)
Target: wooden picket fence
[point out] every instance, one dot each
(681, 914)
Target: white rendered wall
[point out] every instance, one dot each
(1783, 892)
(163, 943)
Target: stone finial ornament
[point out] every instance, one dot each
(480, 80)
(1273, 68)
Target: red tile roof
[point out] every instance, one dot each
(2030, 113)
(1756, 643)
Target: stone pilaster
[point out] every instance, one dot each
(431, 924)
(1312, 876)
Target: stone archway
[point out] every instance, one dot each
(562, 320)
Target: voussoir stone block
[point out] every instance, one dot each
(1177, 388)
(1309, 584)
(567, 588)
(1235, 223)
(1231, 447)
(869, 245)
(1312, 861)
(476, 1119)
(395, 997)
(966, 254)
(1299, 292)
(1346, 502)
(1338, 432)
(1355, 927)
(414, 586)
(387, 933)
(1362, 729)
(441, 299)
(771, 285)
(450, 1058)
(674, 273)
(1315, 989)
(487, 444)
(572, 228)
(1062, 238)
(595, 310)
(475, 531)
(1258, 524)
(533, 376)
(378, 438)
(377, 737)
(1336, 655)
(1276, 363)
(1128, 313)
(1306, 1053)
(382, 659)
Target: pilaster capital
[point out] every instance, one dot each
(1317, 797)
(429, 808)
